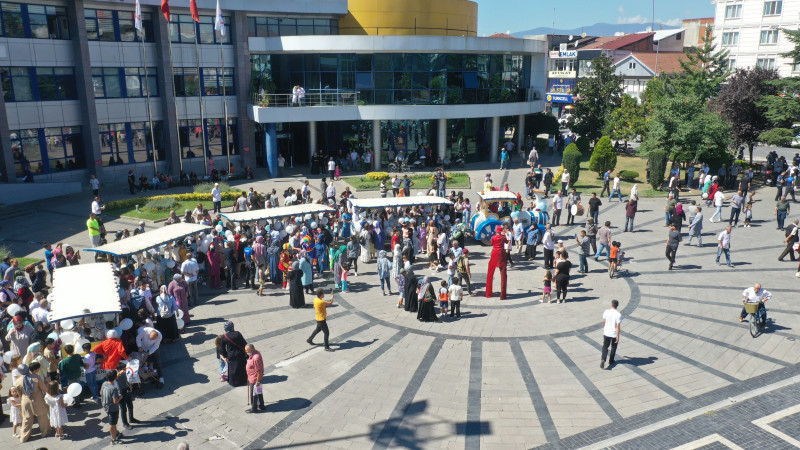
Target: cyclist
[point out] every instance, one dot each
(614, 255)
(756, 295)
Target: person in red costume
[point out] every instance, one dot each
(497, 261)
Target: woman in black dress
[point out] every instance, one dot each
(562, 278)
(410, 291)
(232, 350)
(296, 297)
(427, 300)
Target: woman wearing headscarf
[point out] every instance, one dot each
(365, 240)
(379, 236)
(295, 277)
(397, 261)
(410, 291)
(321, 250)
(678, 218)
(427, 300)
(166, 322)
(34, 355)
(339, 257)
(308, 276)
(180, 290)
(232, 351)
(33, 406)
(213, 265)
(40, 330)
(384, 271)
(274, 258)
(285, 264)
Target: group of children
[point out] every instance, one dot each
(54, 399)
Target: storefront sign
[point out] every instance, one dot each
(561, 74)
(564, 54)
(559, 98)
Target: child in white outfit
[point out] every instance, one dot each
(14, 404)
(58, 411)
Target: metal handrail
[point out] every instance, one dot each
(327, 98)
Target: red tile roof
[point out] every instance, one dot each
(503, 35)
(617, 42)
(668, 62)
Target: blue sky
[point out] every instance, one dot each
(499, 16)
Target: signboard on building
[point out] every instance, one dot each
(559, 98)
(561, 74)
(563, 54)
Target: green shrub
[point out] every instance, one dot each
(205, 188)
(629, 175)
(603, 157)
(572, 163)
(377, 176)
(162, 204)
(5, 252)
(583, 144)
(658, 165)
(743, 164)
(541, 144)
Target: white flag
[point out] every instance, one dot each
(137, 16)
(219, 22)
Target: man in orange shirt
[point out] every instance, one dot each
(111, 350)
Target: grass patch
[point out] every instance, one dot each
(589, 182)
(458, 180)
(150, 214)
(24, 262)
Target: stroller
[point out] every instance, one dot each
(140, 372)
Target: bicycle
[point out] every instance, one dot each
(399, 167)
(614, 270)
(756, 318)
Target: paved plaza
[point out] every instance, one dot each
(508, 374)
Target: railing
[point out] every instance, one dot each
(324, 98)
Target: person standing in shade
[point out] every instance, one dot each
(331, 169)
(548, 182)
(95, 185)
(612, 320)
(594, 207)
(504, 159)
(110, 396)
(232, 352)
(255, 372)
(321, 310)
(673, 239)
(782, 209)
(724, 245)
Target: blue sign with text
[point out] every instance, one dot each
(559, 98)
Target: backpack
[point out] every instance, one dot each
(461, 264)
(362, 240)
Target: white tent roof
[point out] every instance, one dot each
(498, 195)
(150, 239)
(394, 202)
(84, 290)
(277, 213)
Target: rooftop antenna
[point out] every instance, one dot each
(654, 15)
(554, 20)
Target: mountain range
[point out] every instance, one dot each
(598, 29)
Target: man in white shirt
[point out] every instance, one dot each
(95, 184)
(216, 197)
(616, 189)
(564, 181)
(190, 269)
(281, 164)
(330, 193)
(40, 314)
(558, 204)
(149, 341)
(331, 169)
(548, 243)
(97, 209)
(456, 294)
(755, 295)
(395, 186)
(719, 200)
(519, 231)
(724, 245)
(611, 331)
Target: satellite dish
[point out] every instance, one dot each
(583, 35)
(570, 37)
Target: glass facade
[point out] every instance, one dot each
(24, 84)
(130, 142)
(116, 26)
(183, 29)
(121, 82)
(190, 134)
(287, 26)
(402, 78)
(189, 84)
(19, 20)
(47, 150)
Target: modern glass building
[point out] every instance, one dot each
(85, 93)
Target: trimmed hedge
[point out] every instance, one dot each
(572, 163)
(583, 145)
(161, 204)
(377, 176)
(629, 175)
(603, 157)
(193, 197)
(658, 165)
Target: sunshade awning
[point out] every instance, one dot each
(150, 239)
(498, 195)
(83, 290)
(277, 213)
(399, 202)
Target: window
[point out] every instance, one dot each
(106, 82)
(218, 135)
(13, 23)
(730, 38)
(631, 65)
(766, 63)
(116, 26)
(769, 37)
(113, 144)
(795, 68)
(731, 64)
(273, 26)
(17, 84)
(182, 28)
(187, 83)
(141, 141)
(733, 12)
(214, 79)
(773, 8)
(135, 80)
(123, 143)
(64, 148)
(191, 138)
(48, 22)
(56, 83)
(26, 149)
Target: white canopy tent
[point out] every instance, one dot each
(277, 213)
(398, 202)
(497, 196)
(150, 239)
(83, 290)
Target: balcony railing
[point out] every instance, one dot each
(322, 98)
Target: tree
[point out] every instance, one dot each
(626, 121)
(603, 157)
(583, 144)
(682, 126)
(540, 123)
(782, 107)
(657, 161)
(704, 70)
(738, 101)
(782, 137)
(572, 162)
(596, 96)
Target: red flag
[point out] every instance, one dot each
(193, 8)
(165, 9)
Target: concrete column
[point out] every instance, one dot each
(441, 139)
(494, 143)
(520, 131)
(271, 145)
(377, 144)
(245, 126)
(7, 170)
(92, 151)
(312, 140)
(166, 89)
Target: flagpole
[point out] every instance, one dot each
(200, 100)
(224, 100)
(149, 111)
(174, 96)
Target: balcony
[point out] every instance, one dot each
(325, 97)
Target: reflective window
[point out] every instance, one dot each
(189, 84)
(47, 150)
(289, 26)
(183, 29)
(33, 21)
